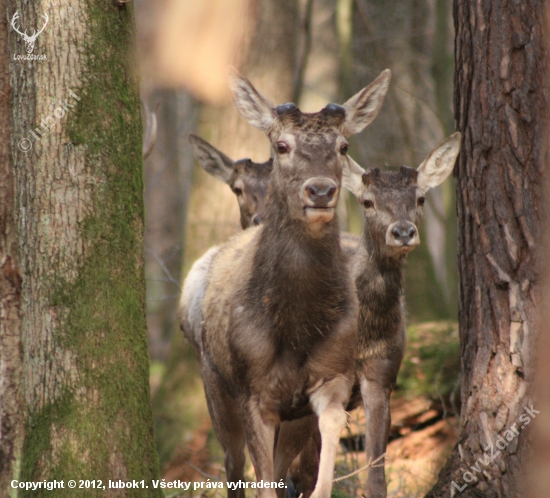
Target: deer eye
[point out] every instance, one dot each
(421, 201)
(237, 191)
(282, 148)
(368, 204)
(344, 149)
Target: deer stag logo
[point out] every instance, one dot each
(29, 40)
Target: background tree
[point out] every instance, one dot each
(500, 106)
(79, 213)
(11, 426)
(168, 178)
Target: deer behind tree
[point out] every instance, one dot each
(247, 179)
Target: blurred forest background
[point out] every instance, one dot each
(310, 52)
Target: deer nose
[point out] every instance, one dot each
(320, 193)
(256, 220)
(402, 234)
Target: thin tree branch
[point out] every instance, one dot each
(164, 268)
(298, 81)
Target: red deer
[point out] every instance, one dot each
(248, 180)
(279, 313)
(392, 202)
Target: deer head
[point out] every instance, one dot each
(393, 200)
(309, 149)
(29, 40)
(248, 180)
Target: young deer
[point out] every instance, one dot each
(248, 180)
(392, 202)
(279, 312)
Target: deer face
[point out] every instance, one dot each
(248, 180)
(309, 149)
(309, 152)
(249, 183)
(393, 200)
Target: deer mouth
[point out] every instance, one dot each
(319, 214)
(404, 248)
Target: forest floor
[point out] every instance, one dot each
(422, 435)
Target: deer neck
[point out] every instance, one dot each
(375, 246)
(381, 274)
(299, 283)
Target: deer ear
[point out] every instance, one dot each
(211, 159)
(439, 164)
(250, 103)
(364, 106)
(352, 177)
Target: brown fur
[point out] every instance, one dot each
(267, 337)
(249, 183)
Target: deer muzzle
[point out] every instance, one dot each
(403, 236)
(319, 196)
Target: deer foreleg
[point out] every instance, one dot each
(226, 420)
(260, 438)
(292, 438)
(376, 386)
(328, 403)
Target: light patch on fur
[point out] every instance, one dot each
(228, 269)
(193, 292)
(319, 216)
(396, 244)
(327, 404)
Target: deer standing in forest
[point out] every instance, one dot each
(392, 202)
(279, 309)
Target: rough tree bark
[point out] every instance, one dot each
(500, 81)
(11, 426)
(79, 209)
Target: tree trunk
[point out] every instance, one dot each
(11, 423)
(499, 104)
(270, 65)
(168, 177)
(79, 208)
